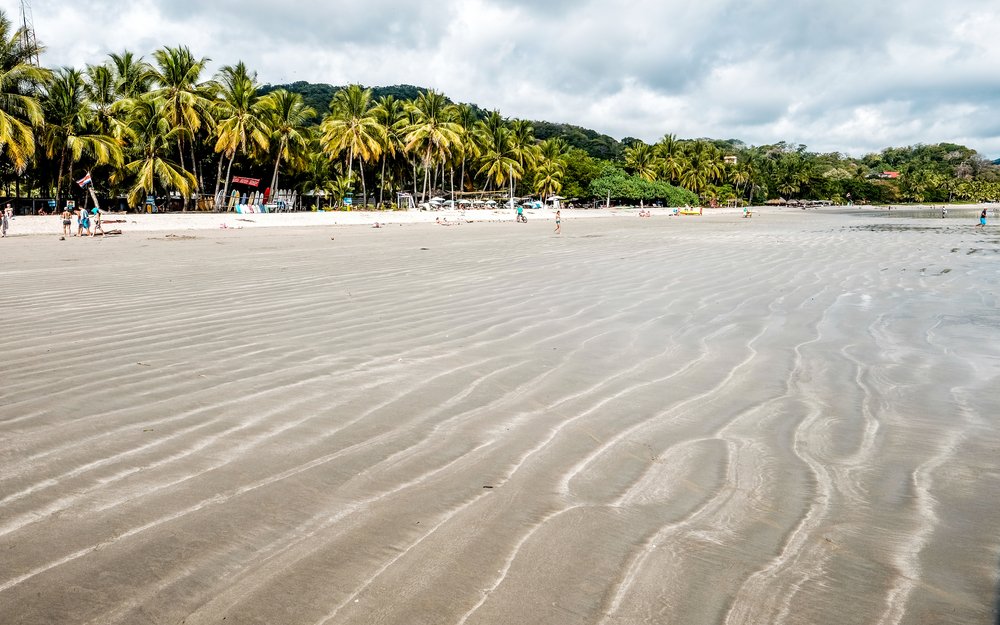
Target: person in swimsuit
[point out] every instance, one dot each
(67, 221)
(558, 221)
(982, 220)
(96, 218)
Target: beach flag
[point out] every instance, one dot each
(83, 182)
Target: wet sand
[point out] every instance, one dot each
(786, 419)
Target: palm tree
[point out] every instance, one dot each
(740, 175)
(498, 159)
(433, 135)
(151, 134)
(554, 148)
(318, 174)
(101, 92)
(466, 118)
(641, 158)
(522, 138)
(186, 99)
(551, 166)
(548, 178)
(133, 75)
(391, 114)
(668, 151)
(20, 110)
(240, 115)
(70, 131)
(700, 168)
(353, 127)
(287, 119)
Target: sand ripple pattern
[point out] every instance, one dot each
(791, 419)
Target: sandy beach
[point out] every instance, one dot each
(171, 222)
(785, 419)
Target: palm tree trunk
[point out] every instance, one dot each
(62, 161)
(198, 171)
(350, 172)
(277, 164)
(364, 186)
(196, 168)
(381, 181)
(229, 168)
(218, 182)
(180, 155)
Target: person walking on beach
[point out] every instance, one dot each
(558, 221)
(82, 222)
(982, 220)
(96, 218)
(5, 220)
(520, 215)
(67, 223)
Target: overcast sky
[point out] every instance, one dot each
(845, 75)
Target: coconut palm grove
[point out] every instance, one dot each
(163, 126)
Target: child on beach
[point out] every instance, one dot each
(558, 221)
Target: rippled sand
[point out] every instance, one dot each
(788, 419)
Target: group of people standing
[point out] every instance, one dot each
(86, 222)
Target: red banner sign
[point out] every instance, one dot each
(253, 182)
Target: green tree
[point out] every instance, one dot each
(186, 98)
(241, 116)
(465, 117)
(20, 110)
(133, 75)
(391, 114)
(432, 134)
(69, 129)
(352, 127)
(498, 160)
(548, 178)
(641, 159)
(151, 133)
(287, 118)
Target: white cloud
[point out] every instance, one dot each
(852, 76)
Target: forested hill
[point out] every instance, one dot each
(318, 96)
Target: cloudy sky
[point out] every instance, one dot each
(846, 75)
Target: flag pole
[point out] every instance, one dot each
(88, 182)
